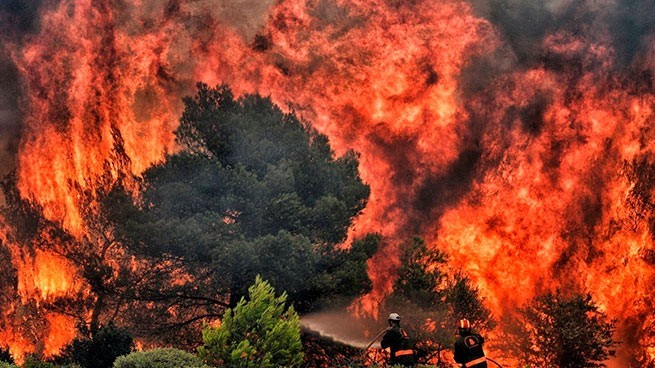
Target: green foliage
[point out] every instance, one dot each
(342, 273)
(257, 333)
(35, 362)
(159, 358)
(265, 169)
(98, 350)
(256, 192)
(4, 364)
(416, 282)
(554, 330)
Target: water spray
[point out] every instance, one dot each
(340, 325)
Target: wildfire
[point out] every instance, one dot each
(99, 86)
(523, 181)
(59, 333)
(46, 276)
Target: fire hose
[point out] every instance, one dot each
(372, 342)
(489, 360)
(494, 362)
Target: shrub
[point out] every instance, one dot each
(561, 330)
(34, 362)
(99, 350)
(159, 358)
(258, 333)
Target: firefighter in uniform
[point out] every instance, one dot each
(397, 340)
(468, 348)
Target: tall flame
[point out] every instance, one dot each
(97, 81)
(519, 172)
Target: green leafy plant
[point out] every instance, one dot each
(259, 332)
(159, 358)
(35, 362)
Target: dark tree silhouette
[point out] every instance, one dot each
(555, 330)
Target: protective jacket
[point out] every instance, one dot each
(468, 351)
(402, 352)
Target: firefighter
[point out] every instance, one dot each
(397, 340)
(468, 348)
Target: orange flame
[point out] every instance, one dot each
(46, 276)
(99, 82)
(521, 182)
(59, 333)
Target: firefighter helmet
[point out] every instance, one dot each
(394, 317)
(464, 324)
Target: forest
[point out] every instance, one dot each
(212, 257)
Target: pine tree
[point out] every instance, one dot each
(257, 333)
(554, 330)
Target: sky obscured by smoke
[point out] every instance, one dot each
(17, 18)
(523, 24)
(20, 18)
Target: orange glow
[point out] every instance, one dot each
(59, 334)
(18, 346)
(46, 276)
(103, 82)
(521, 182)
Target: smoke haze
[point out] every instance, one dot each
(17, 18)
(499, 130)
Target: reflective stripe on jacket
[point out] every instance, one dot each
(404, 352)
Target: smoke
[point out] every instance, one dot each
(247, 16)
(9, 115)
(522, 23)
(622, 24)
(631, 25)
(17, 18)
(498, 130)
